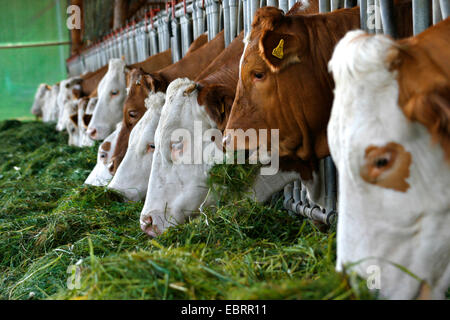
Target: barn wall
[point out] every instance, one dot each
(21, 70)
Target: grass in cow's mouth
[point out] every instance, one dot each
(236, 249)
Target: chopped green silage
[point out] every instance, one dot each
(237, 249)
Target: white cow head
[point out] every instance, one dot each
(39, 100)
(111, 97)
(101, 174)
(131, 178)
(69, 90)
(178, 181)
(394, 204)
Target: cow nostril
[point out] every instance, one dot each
(148, 227)
(92, 133)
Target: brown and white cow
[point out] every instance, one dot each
(389, 135)
(284, 82)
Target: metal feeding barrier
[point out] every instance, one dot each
(183, 21)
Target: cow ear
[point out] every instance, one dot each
(74, 118)
(217, 101)
(155, 82)
(278, 50)
(432, 109)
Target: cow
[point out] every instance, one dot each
(389, 135)
(284, 83)
(101, 175)
(142, 83)
(131, 178)
(177, 187)
(39, 100)
(69, 90)
(112, 93)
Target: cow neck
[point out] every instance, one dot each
(190, 66)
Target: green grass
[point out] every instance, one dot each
(236, 249)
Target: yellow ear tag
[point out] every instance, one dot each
(222, 110)
(278, 51)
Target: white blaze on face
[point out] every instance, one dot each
(101, 175)
(406, 223)
(111, 98)
(131, 178)
(39, 100)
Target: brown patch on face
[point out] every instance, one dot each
(106, 146)
(387, 166)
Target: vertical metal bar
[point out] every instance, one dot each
(363, 14)
(334, 5)
(387, 17)
(226, 22)
(215, 10)
(272, 3)
(350, 3)
(254, 7)
(233, 4)
(330, 184)
(240, 17)
(283, 5)
(324, 6)
(243, 5)
(421, 15)
(437, 15)
(378, 25)
(445, 8)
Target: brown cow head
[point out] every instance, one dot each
(140, 85)
(284, 82)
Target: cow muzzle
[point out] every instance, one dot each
(148, 227)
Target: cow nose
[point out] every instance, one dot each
(148, 227)
(92, 132)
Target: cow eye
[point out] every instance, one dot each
(103, 155)
(133, 114)
(114, 92)
(150, 147)
(258, 75)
